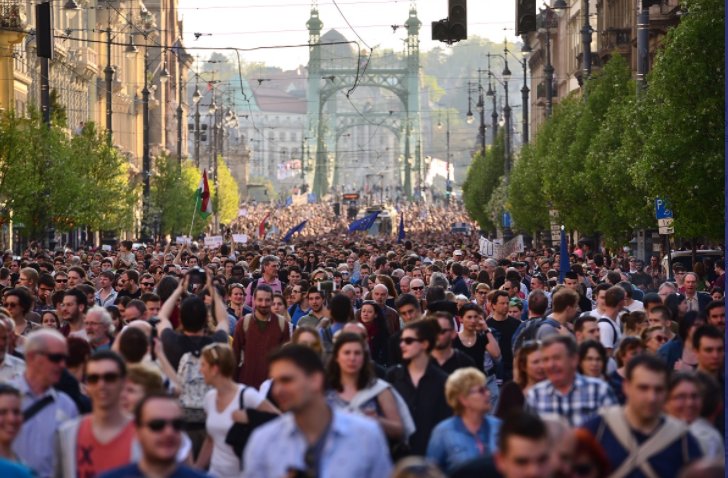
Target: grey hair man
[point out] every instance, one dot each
(46, 352)
(99, 327)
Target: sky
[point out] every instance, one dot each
(252, 24)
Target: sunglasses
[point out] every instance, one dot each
(10, 305)
(408, 340)
(55, 358)
(417, 288)
(62, 281)
(108, 377)
(660, 338)
(159, 424)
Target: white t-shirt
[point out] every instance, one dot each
(635, 306)
(609, 333)
(224, 463)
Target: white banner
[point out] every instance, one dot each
(183, 240)
(486, 247)
(513, 246)
(242, 212)
(240, 238)
(213, 242)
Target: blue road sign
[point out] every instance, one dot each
(661, 209)
(506, 219)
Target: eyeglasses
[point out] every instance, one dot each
(61, 281)
(147, 284)
(10, 305)
(481, 292)
(159, 424)
(408, 340)
(418, 288)
(55, 358)
(482, 390)
(660, 338)
(108, 377)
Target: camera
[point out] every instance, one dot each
(196, 276)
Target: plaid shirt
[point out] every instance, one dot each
(586, 396)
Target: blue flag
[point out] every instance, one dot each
(364, 223)
(564, 263)
(294, 230)
(400, 233)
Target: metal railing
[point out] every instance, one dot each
(13, 15)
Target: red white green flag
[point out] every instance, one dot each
(204, 201)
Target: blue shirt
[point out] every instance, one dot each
(8, 469)
(355, 447)
(35, 444)
(583, 400)
(665, 463)
(296, 312)
(133, 471)
(452, 444)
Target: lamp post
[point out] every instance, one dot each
(480, 108)
(180, 98)
(507, 112)
(491, 93)
(448, 185)
(559, 7)
(525, 53)
(586, 38)
(146, 166)
(196, 97)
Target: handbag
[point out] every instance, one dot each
(239, 434)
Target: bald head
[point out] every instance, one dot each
(380, 294)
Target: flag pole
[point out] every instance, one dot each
(197, 201)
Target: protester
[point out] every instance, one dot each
(311, 438)
(470, 433)
(11, 419)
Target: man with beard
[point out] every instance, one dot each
(445, 356)
(256, 335)
(318, 310)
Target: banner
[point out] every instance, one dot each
(513, 246)
(212, 242)
(486, 247)
(240, 238)
(181, 240)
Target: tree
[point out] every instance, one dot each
(483, 177)
(526, 200)
(228, 199)
(171, 195)
(683, 110)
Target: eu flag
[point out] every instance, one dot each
(400, 233)
(364, 223)
(293, 230)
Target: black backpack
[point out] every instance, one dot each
(528, 330)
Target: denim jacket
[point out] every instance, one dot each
(452, 444)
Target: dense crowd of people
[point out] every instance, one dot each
(354, 356)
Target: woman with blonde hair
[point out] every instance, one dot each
(224, 405)
(469, 433)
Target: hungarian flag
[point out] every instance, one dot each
(204, 201)
(263, 226)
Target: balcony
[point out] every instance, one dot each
(616, 40)
(13, 16)
(87, 63)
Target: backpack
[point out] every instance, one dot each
(194, 387)
(527, 331)
(614, 330)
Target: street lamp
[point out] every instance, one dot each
(558, 9)
(525, 53)
(448, 186)
(491, 93)
(196, 97)
(131, 49)
(507, 111)
(71, 8)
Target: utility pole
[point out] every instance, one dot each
(146, 161)
(109, 77)
(586, 38)
(643, 39)
(179, 110)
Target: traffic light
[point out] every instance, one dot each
(458, 19)
(455, 27)
(525, 16)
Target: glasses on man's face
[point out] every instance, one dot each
(147, 284)
(55, 357)
(408, 340)
(10, 305)
(418, 288)
(159, 424)
(481, 292)
(660, 338)
(62, 281)
(108, 377)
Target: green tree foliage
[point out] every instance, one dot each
(228, 199)
(683, 153)
(47, 177)
(483, 177)
(171, 196)
(526, 200)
